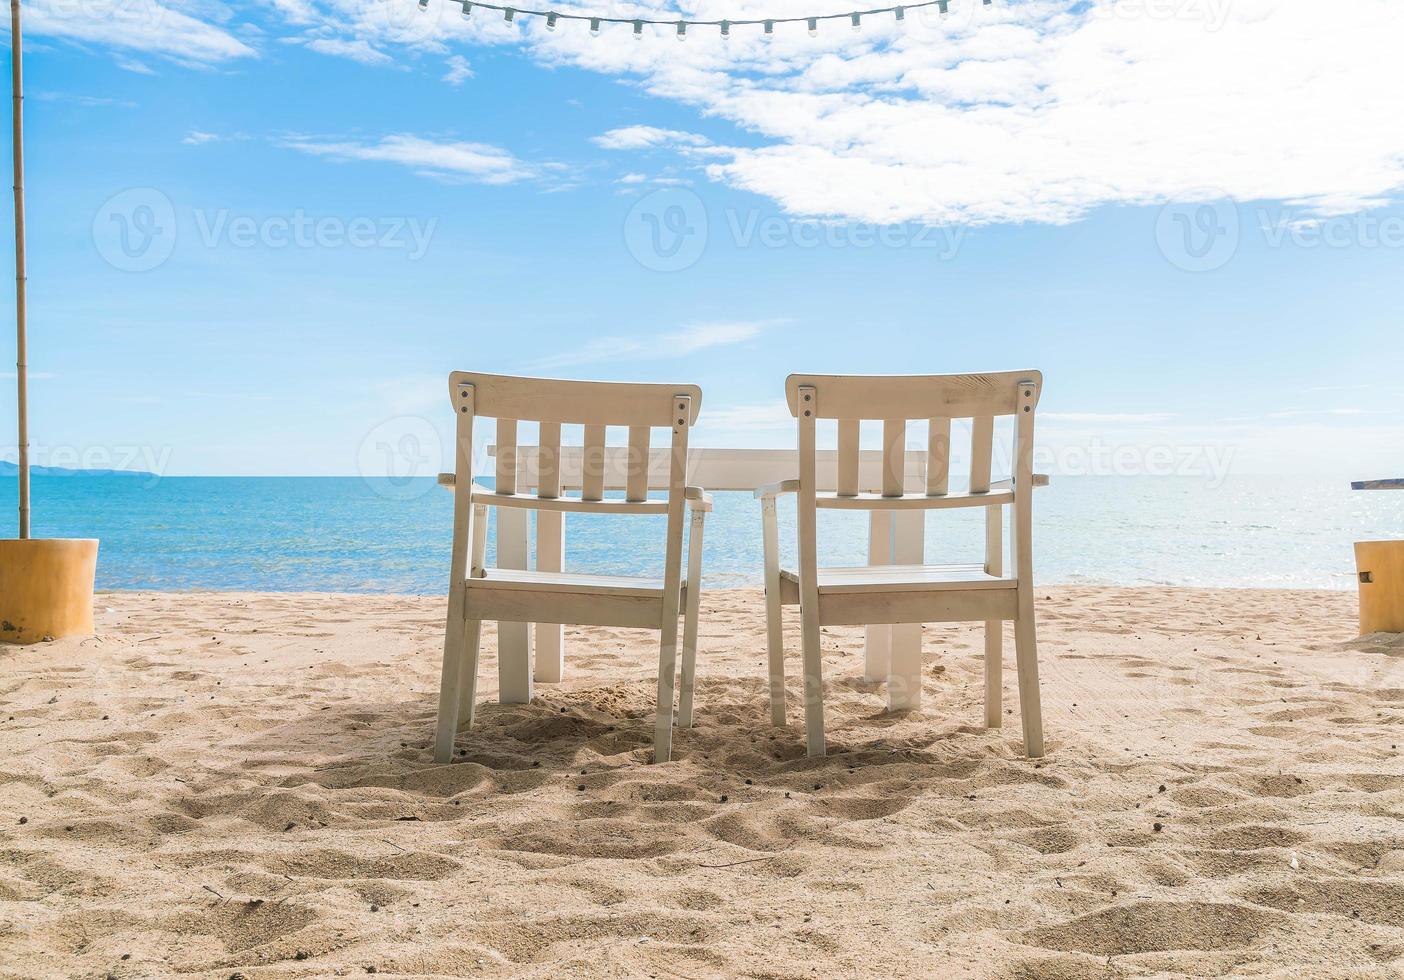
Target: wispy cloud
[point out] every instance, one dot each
(459, 70)
(680, 343)
(358, 50)
(147, 27)
(644, 137)
(445, 159)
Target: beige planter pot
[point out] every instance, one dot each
(1380, 565)
(46, 588)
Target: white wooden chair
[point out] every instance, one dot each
(909, 594)
(477, 593)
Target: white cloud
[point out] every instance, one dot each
(1038, 111)
(448, 159)
(195, 137)
(146, 26)
(643, 137)
(358, 50)
(680, 343)
(459, 70)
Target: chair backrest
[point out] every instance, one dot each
(595, 405)
(937, 398)
(894, 400)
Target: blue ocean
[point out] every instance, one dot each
(348, 534)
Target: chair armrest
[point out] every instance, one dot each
(776, 489)
(699, 500)
(1039, 480)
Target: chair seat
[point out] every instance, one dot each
(570, 583)
(899, 578)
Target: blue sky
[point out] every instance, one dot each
(261, 236)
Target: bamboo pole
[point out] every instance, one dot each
(21, 359)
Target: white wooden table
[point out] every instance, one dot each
(534, 653)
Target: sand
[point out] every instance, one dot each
(221, 784)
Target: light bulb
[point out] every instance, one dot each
(551, 21)
(423, 4)
(467, 9)
(944, 7)
(901, 15)
(726, 30)
(769, 29)
(682, 30)
(595, 26)
(638, 30)
(508, 14)
(814, 27)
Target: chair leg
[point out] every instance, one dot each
(667, 671)
(468, 681)
(813, 681)
(694, 602)
(450, 676)
(774, 622)
(994, 672)
(1026, 659)
(904, 668)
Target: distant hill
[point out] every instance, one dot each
(12, 469)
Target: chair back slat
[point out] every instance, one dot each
(981, 450)
(593, 463)
(548, 460)
(506, 456)
(848, 457)
(894, 457)
(938, 456)
(636, 485)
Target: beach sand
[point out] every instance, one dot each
(239, 783)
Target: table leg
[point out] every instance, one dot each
(904, 674)
(550, 557)
(878, 639)
(513, 639)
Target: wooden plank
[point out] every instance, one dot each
(451, 677)
(894, 456)
(593, 463)
(938, 456)
(877, 637)
(774, 620)
(856, 609)
(577, 402)
(514, 637)
(1377, 485)
(981, 451)
(548, 666)
(548, 460)
(637, 486)
(672, 581)
(958, 396)
(908, 549)
(994, 628)
(506, 456)
(1025, 641)
(693, 596)
(848, 434)
(807, 407)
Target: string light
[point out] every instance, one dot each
(811, 22)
